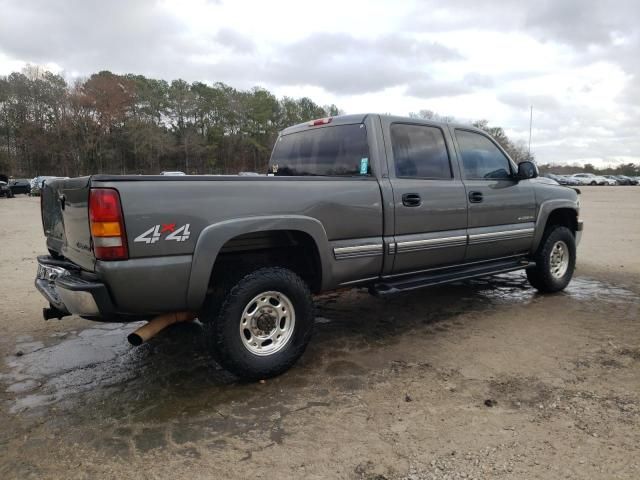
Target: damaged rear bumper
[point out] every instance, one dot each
(68, 290)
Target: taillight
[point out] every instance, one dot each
(107, 224)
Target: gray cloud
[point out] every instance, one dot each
(582, 23)
(429, 88)
(139, 36)
(235, 41)
(521, 101)
(341, 63)
(87, 36)
(480, 80)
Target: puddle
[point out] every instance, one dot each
(97, 359)
(514, 288)
(98, 366)
(590, 289)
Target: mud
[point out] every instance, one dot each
(480, 379)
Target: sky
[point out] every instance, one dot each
(577, 62)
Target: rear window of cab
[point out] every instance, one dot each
(335, 151)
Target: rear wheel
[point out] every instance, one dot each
(264, 324)
(555, 260)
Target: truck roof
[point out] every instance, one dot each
(360, 118)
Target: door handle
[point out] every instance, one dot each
(411, 200)
(475, 197)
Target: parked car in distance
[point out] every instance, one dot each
(568, 180)
(601, 180)
(5, 190)
(612, 179)
(173, 174)
(36, 184)
(20, 186)
(589, 179)
(624, 180)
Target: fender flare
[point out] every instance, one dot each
(545, 209)
(213, 238)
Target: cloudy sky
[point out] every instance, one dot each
(576, 61)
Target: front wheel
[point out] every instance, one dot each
(264, 324)
(555, 260)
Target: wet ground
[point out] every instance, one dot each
(482, 379)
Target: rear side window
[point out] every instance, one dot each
(329, 151)
(419, 152)
(481, 159)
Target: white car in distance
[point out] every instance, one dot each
(589, 179)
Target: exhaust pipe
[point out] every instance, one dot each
(52, 312)
(157, 324)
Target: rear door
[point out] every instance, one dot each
(501, 209)
(429, 197)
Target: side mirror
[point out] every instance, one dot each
(527, 170)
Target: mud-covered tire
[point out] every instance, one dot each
(224, 332)
(546, 276)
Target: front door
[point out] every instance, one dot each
(429, 197)
(501, 209)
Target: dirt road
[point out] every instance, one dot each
(484, 379)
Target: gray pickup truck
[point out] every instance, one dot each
(388, 203)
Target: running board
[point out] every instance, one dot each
(391, 286)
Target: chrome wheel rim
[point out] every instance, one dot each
(267, 323)
(559, 259)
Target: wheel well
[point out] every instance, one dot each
(566, 217)
(291, 249)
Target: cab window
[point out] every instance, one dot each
(419, 151)
(334, 151)
(481, 158)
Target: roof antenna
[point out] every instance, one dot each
(530, 123)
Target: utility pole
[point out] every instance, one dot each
(530, 124)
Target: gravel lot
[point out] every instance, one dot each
(485, 379)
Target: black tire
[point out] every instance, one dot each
(541, 276)
(224, 333)
(593, 183)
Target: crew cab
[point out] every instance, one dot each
(387, 203)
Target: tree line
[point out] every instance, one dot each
(121, 124)
(130, 124)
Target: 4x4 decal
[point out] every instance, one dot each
(152, 235)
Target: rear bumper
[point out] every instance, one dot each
(61, 283)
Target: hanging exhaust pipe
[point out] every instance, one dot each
(157, 324)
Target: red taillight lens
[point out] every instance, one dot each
(107, 224)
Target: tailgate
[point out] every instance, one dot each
(65, 219)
